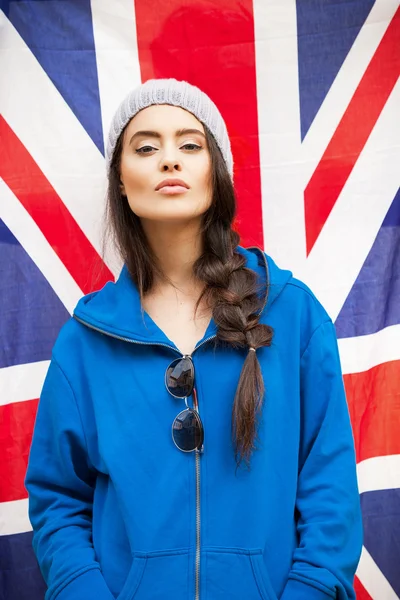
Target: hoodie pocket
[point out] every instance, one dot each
(157, 575)
(236, 573)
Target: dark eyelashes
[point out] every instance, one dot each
(141, 150)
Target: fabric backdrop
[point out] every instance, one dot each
(311, 97)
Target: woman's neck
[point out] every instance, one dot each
(176, 248)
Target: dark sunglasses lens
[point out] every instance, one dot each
(179, 377)
(187, 430)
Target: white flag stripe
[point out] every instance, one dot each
(373, 579)
(359, 354)
(23, 227)
(22, 382)
(51, 133)
(14, 517)
(379, 473)
(118, 67)
(350, 230)
(279, 131)
(344, 86)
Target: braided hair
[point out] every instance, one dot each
(230, 288)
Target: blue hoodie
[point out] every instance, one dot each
(119, 512)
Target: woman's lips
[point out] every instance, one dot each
(169, 190)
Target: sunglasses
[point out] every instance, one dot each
(187, 428)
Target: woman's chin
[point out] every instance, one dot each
(172, 215)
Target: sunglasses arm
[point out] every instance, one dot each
(195, 403)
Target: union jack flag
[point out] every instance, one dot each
(310, 94)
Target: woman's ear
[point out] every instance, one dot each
(122, 187)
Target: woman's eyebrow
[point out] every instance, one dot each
(178, 133)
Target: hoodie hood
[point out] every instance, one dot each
(116, 308)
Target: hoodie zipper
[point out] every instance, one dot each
(197, 452)
(198, 526)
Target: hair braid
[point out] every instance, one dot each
(234, 294)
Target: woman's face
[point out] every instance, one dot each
(165, 151)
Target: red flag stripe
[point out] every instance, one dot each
(214, 49)
(360, 117)
(15, 441)
(361, 592)
(374, 405)
(28, 183)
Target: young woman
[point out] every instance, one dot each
(192, 439)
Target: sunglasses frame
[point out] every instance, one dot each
(166, 371)
(197, 416)
(188, 408)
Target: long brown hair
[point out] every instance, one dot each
(231, 290)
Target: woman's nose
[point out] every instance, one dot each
(171, 166)
(170, 160)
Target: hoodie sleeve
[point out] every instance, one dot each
(60, 484)
(328, 508)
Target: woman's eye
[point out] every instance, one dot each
(143, 149)
(194, 146)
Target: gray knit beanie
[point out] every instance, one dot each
(176, 93)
